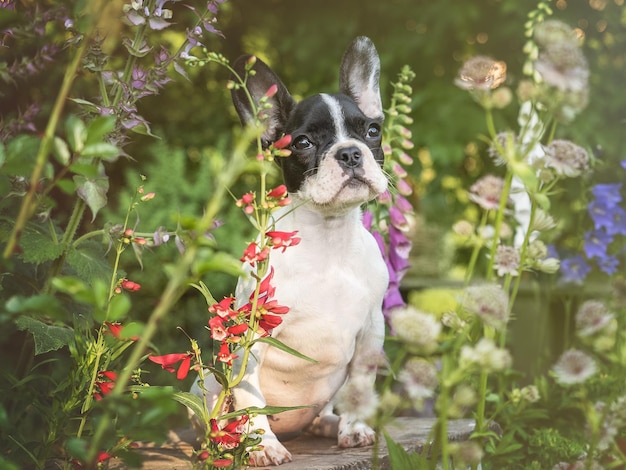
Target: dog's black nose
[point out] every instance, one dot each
(350, 157)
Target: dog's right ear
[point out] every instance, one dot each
(260, 78)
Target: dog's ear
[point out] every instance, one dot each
(359, 76)
(260, 78)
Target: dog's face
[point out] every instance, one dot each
(336, 160)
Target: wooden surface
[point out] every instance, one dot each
(311, 453)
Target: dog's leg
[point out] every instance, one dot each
(211, 391)
(325, 424)
(357, 399)
(248, 394)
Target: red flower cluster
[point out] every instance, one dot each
(105, 383)
(252, 254)
(247, 202)
(283, 239)
(229, 436)
(267, 309)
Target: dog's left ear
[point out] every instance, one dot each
(359, 76)
(259, 80)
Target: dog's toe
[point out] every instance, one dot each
(356, 434)
(273, 453)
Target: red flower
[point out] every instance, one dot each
(278, 192)
(105, 383)
(282, 142)
(267, 310)
(271, 91)
(116, 330)
(246, 201)
(129, 285)
(224, 354)
(223, 308)
(218, 330)
(168, 360)
(283, 239)
(229, 436)
(251, 255)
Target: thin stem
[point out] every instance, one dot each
(477, 247)
(28, 204)
(498, 224)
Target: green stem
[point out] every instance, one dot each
(477, 247)
(28, 203)
(498, 224)
(68, 235)
(443, 417)
(172, 292)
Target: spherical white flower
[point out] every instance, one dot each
(574, 367)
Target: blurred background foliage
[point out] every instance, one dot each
(303, 41)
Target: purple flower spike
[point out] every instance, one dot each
(574, 270)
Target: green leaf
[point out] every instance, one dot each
(21, 154)
(132, 329)
(3, 155)
(61, 151)
(283, 347)
(75, 287)
(47, 337)
(103, 150)
(77, 448)
(218, 262)
(98, 128)
(93, 192)
(43, 303)
(399, 458)
(88, 170)
(38, 247)
(88, 104)
(266, 410)
(191, 401)
(542, 201)
(118, 307)
(89, 261)
(76, 133)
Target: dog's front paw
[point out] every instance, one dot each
(354, 434)
(272, 453)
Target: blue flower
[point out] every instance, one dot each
(574, 270)
(597, 243)
(608, 264)
(600, 213)
(618, 223)
(608, 193)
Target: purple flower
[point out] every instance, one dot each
(393, 299)
(397, 218)
(399, 242)
(623, 163)
(574, 270)
(608, 264)
(608, 193)
(367, 220)
(403, 204)
(597, 243)
(600, 213)
(618, 224)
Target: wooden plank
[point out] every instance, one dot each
(309, 452)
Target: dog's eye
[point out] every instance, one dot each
(373, 131)
(302, 143)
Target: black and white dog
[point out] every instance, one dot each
(334, 280)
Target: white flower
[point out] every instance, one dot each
(419, 330)
(419, 378)
(507, 260)
(485, 355)
(592, 317)
(489, 302)
(574, 367)
(357, 397)
(566, 158)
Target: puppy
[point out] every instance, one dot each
(334, 280)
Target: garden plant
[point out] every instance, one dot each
(106, 282)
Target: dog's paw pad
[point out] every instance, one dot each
(356, 434)
(273, 453)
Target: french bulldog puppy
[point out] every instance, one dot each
(334, 280)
